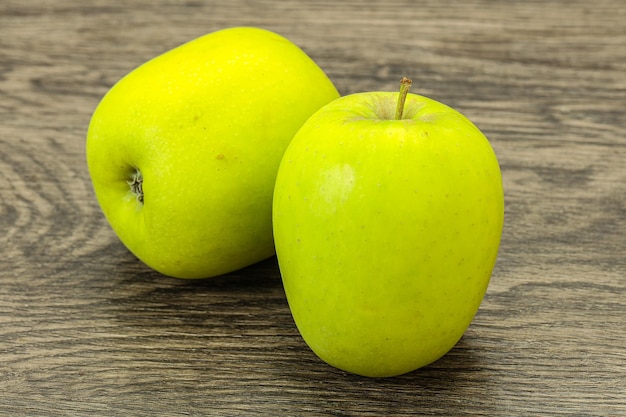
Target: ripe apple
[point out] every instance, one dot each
(387, 221)
(183, 151)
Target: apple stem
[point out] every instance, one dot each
(405, 86)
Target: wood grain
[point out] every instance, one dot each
(85, 329)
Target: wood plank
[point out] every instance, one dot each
(85, 329)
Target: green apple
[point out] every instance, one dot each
(183, 151)
(387, 222)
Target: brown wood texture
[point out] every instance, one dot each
(85, 329)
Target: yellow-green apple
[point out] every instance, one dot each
(183, 151)
(387, 222)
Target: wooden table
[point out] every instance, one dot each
(87, 330)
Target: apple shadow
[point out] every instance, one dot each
(240, 323)
(454, 378)
(135, 277)
(144, 298)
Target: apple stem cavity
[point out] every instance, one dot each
(136, 185)
(405, 86)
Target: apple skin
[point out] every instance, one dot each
(206, 124)
(386, 231)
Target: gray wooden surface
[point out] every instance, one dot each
(85, 329)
